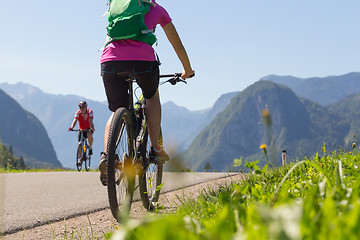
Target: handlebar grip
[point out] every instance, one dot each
(170, 75)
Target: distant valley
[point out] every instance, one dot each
(56, 112)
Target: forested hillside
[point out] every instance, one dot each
(8, 161)
(349, 109)
(297, 125)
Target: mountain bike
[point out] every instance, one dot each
(128, 155)
(82, 153)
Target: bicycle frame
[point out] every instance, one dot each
(82, 154)
(84, 144)
(140, 117)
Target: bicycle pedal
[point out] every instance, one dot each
(103, 181)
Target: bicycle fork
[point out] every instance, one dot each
(85, 146)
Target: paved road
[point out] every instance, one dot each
(32, 199)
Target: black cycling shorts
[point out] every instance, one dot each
(84, 133)
(115, 73)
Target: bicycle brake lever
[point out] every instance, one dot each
(175, 80)
(172, 81)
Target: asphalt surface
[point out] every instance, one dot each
(28, 200)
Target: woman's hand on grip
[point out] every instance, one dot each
(187, 74)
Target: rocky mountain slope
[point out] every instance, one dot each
(57, 112)
(298, 125)
(349, 110)
(26, 135)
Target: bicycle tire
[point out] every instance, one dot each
(79, 159)
(150, 180)
(87, 160)
(121, 178)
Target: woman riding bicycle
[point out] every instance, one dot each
(126, 57)
(85, 117)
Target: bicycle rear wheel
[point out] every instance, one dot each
(79, 154)
(150, 180)
(120, 171)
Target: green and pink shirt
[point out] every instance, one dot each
(127, 49)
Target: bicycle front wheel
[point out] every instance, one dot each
(150, 181)
(120, 169)
(88, 160)
(79, 154)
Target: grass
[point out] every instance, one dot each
(2, 170)
(316, 198)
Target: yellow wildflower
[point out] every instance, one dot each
(263, 146)
(266, 115)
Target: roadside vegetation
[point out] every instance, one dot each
(8, 162)
(12, 164)
(316, 198)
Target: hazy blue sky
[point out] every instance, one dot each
(54, 45)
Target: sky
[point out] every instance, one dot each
(53, 45)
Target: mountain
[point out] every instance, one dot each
(326, 90)
(178, 124)
(181, 125)
(232, 128)
(298, 125)
(57, 112)
(349, 109)
(26, 135)
(208, 116)
(221, 103)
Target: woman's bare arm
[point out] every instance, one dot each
(175, 41)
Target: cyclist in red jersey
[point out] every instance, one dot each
(85, 117)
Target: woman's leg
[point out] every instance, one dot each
(91, 139)
(106, 134)
(153, 115)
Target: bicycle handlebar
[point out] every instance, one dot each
(170, 75)
(174, 78)
(83, 130)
